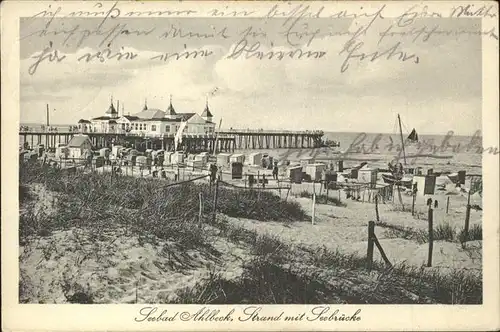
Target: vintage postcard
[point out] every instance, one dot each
(256, 165)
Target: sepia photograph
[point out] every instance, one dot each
(252, 155)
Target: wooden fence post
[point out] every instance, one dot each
(401, 198)
(413, 203)
(431, 236)
(381, 250)
(215, 201)
(447, 204)
(376, 207)
(467, 218)
(339, 197)
(327, 189)
(369, 253)
(313, 207)
(200, 212)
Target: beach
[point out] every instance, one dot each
(117, 266)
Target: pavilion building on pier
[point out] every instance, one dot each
(150, 122)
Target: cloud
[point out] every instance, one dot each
(291, 93)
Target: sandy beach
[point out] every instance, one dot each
(118, 267)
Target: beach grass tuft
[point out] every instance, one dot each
(323, 199)
(443, 232)
(475, 233)
(262, 282)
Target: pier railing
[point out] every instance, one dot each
(240, 138)
(143, 134)
(232, 131)
(272, 131)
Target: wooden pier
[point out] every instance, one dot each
(275, 139)
(227, 141)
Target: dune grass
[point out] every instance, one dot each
(400, 284)
(279, 273)
(103, 200)
(475, 233)
(323, 199)
(443, 232)
(262, 282)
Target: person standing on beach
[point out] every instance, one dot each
(219, 173)
(213, 173)
(275, 171)
(323, 178)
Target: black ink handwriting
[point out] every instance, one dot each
(251, 33)
(252, 51)
(472, 11)
(184, 54)
(234, 13)
(178, 32)
(293, 17)
(159, 13)
(47, 54)
(415, 12)
(425, 32)
(352, 48)
(107, 54)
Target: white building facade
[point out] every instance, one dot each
(151, 122)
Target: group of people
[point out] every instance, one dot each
(396, 169)
(325, 172)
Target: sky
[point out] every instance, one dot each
(440, 93)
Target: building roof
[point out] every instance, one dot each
(179, 117)
(130, 117)
(104, 117)
(83, 121)
(164, 119)
(111, 109)
(206, 112)
(170, 109)
(185, 116)
(150, 113)
(77, 141)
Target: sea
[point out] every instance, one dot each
(446, 152)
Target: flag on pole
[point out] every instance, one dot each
(214, 91)
(178, 135)
(217, 136)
